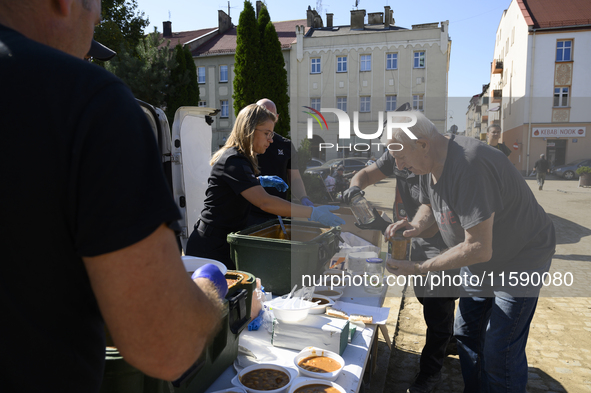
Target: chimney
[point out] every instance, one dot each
(224, 22)
(310, 17)
(167, 29)
(259, 6)
(357, 19)
(387, 17)
(329, 20)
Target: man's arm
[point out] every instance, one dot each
(422, 225)
(297, 184)
(367, 176)
(476, 248)
(160, 320)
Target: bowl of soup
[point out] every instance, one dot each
(267, 378)
(316, 386)
(332, 293)
(323, 302)
(319, 363)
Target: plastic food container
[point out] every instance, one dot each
(308, 382)
(313, 351)
(290, 314)
(321, 308)
(248, 369)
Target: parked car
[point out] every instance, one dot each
(350, 164)
(568, 171)
(314, 162)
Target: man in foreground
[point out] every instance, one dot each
(494, 227)
(85, 216)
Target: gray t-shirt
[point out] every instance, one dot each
(476, 182)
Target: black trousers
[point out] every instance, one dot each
(438, 312)
(210, 242)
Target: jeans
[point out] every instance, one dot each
(492, 334)
(540, 177)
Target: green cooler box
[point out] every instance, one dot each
(281, 261)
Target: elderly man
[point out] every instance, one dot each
(104, 252)
(280, 159)
(541, 167)
(493, 134)
(494, 228)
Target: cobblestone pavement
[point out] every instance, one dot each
(559, 344)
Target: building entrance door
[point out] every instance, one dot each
(556, 151)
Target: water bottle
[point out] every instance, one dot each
(362, 209)
(374, 271)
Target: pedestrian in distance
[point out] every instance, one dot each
(494, 227)
(86, 220)
(235, 185)
(541, 167)
(279, 160)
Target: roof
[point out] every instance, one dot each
(185, 36)
(226, 43)
(346, 30)
(552, 13)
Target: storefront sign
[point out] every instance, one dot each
(559, 132)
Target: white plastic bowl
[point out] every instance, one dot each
(290, 314)
(321, 308)
(194, 263)
(265, 366)
(313, 351)
(307, 382)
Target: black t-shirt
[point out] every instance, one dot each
(224, 207)
(476, 182)
(502, 147)
(277, 160)
(81, 176)
(408, 187)
(542, 165)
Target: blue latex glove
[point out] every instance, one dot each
(323, 215)
(307, 202)
(273, 181)
(213, 274)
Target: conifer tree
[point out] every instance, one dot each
(246, 59)
(193, 86)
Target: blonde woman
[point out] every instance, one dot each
(235, 185)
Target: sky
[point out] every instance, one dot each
(472, 28)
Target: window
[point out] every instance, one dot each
(223, 73)
(365, 104)
(564, 50)
(390, 103)
(225, 112)
(315, 65)
(203, 103)
(419, 60)
(365, 63)
(561, 96)
(342, 103)
(315, 103)
(391, 61)
(341, 63)
(417, 102)
(201, 75)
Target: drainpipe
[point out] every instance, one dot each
(531, 98)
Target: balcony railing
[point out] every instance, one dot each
(497, 67)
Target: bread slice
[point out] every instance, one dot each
(336, 313)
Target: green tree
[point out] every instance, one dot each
(122, 26)
(193, 87)
(148, 74)
(246, 58)
(272, 82)
(262, 21)
(179, 79)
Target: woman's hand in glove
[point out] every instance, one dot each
(323, 215)
(273, 181)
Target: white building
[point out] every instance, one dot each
(367, 68)
(540, 80)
